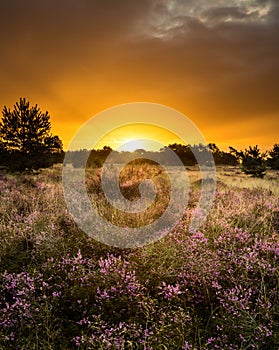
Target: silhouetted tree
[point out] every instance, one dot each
(252, 161)
(25, 136)
(273, 160)
(184, 152)
(97, 157)
(221, 157)
(77, 158)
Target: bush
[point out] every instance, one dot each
(252, 161)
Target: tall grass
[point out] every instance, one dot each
(215, 289)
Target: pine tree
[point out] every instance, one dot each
(273, 160)
(25, 135)
(252, 161)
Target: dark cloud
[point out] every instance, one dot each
(231, 13)
(69, 53)
(274, 12)
(234, 64)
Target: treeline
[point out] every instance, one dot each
(96, 158)
(253, 162)
(27, 143)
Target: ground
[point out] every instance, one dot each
(216, 288)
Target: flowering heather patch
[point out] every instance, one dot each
(215, 289)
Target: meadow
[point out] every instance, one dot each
(215, 289)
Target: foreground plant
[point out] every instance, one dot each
(215, 289)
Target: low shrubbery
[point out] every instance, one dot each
(215, 289)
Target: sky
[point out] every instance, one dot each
(215, 61)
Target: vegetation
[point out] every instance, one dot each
(252, 161)
(273, 160)
(96, 158)
(25, 138)
(59, 289)
(26, 143)
(221, 157)
(215, 289)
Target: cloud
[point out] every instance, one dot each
(166, 15)
(199, 56)
(228, 14)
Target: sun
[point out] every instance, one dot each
(130, 145)
(141, 136)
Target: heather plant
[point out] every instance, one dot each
(216, 288)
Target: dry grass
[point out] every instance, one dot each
(215, 289)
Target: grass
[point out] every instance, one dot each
(215, 289)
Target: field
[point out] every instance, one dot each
(215, 289)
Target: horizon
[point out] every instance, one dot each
(122, 148)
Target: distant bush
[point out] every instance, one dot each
(273, 160)
(253, 162)
(96, 158)
(221, 157)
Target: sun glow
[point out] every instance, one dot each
(131, 145)
(130, 138)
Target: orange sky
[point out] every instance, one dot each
(214, 61)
